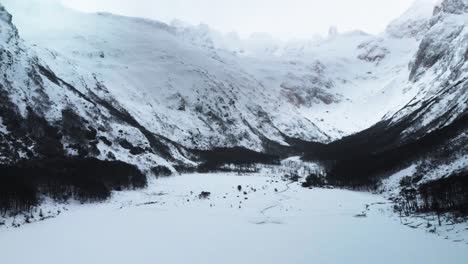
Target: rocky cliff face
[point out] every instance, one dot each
(414, 22)
(427, 136)
(454, 7)
(148, 93)
(163, 97)
(173, 85)
(440, 70)
(43, 116)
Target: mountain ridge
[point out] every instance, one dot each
(156, 95)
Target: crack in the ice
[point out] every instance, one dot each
(268, 219)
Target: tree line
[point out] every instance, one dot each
(448, 194)
(85, 179)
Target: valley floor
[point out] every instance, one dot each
(274, 221)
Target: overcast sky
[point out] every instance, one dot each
(281, 18)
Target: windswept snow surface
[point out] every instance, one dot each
(169, 223)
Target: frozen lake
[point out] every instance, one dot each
(274, 222)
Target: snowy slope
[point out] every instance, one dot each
(189, 86)
(188, 94)
(423, 143)
(414, 22)
(202, 89)
(344, 82)
(440, 70)
(169, 223)
(45, 116)
(147, 93)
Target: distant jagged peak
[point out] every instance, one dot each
(201, 35)
(4, 15)
(333, 31)
(414, 23)
(8, 31)
(181, 24)
(451, 6)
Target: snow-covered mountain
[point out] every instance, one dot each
(43, 115)
(190, 85)
(150, 93)
(189, 93)
(414, 22)
(421, 148)
(437, 116)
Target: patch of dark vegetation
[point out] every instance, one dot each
(161, 171)
(82, 138)
(228, 168)
(292, 177)
(32, 134)
(86, 180)
(185, 169)
(361, 215)
(204, 195)
(295, 147)
(444, 195)
(46, 138)
(121, 114)
(37, 138)
(105, 141)
(314, 180)
(213, 160)
(134, 150)
(364, 158)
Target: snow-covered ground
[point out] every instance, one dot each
(274, 221)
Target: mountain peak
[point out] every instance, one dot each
(332, 31)
(7, 30)
(452, 6)
(414, 23)
(4, 15)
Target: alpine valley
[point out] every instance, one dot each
(96, 103)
